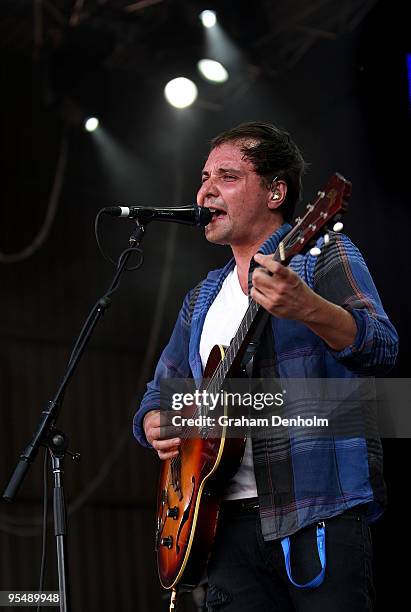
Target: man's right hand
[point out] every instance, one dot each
(166, 449)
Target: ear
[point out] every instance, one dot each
(276, 194)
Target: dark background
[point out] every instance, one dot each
(332, 73)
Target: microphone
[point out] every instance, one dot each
(187, 215)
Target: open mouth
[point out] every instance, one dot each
(216, 214)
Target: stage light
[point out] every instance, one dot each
(91, 124)
(208, 18)
(212, 71)
(180, 92)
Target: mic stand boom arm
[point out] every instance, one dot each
(56, 441)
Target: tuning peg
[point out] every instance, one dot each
(315, 251)
(338, 225)
(326, 239)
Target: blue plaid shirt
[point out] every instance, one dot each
(300, 481)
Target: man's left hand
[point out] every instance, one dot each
(283, 293)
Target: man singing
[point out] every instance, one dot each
(326, 321)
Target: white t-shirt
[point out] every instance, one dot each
(221, 323)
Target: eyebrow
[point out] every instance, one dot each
(223, 171)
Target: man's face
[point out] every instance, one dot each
(231, 186)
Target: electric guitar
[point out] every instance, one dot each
(191, 484)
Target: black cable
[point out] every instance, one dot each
(96, 233)
(138, 264)
(105, 299)
(83, 331)
(104, 254)
(44, 537)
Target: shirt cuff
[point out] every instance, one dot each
(138, 430)
(361, 317)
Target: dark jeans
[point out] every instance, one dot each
(246, 574)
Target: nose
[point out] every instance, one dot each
(208, 190)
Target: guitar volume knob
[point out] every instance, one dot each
(167, 541)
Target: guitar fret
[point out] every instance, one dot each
(220, 378)
(240, 333)
(249, 314)
(228, 359)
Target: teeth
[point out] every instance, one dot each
(212, 210)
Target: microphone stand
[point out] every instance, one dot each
(57, 441)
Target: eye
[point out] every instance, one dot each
(229, 177)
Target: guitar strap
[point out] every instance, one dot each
(252, 347)
(193, 300)
(319, 578)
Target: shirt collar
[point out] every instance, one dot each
(269, 247)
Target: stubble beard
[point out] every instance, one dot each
(218, 235)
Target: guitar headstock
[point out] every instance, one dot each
(327, 210)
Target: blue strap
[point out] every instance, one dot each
(315, 582)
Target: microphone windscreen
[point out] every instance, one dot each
(204, 216)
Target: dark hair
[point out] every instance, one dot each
(273, 154)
